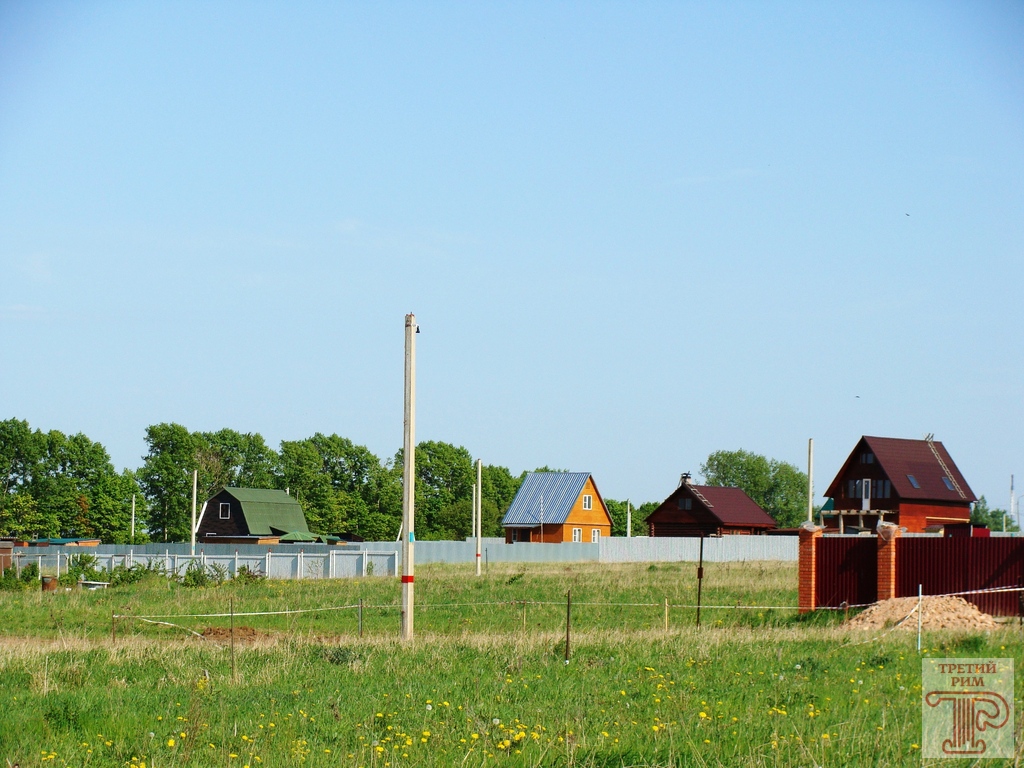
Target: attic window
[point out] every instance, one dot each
(867, 458)
(686, 503)
(225, 511)
(948, 483)
(913, 481)
(588, 502)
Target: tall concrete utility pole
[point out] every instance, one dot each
(629, 521)
(479, 511)
(810, 480)
(409, 478)
(133, 518)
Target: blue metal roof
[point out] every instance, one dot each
(555, 492)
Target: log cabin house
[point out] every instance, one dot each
(553, 507)
(912, 483)
(708, 510)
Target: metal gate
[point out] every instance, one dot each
(846, 571)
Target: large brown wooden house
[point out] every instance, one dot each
(913, 483)
(708, 510)
(259, 515)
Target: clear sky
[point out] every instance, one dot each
(632, 233)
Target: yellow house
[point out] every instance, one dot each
(555, 507)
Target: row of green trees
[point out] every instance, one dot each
(52, 484)
(57, 485)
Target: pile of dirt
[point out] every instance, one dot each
(936, 613)
(224, 633)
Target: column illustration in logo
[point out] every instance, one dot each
(966, 707)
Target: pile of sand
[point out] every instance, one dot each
(937, 613)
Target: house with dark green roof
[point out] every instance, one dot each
(253, 514)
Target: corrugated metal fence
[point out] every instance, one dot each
(847, 570)
(716, 550)
(945, 565)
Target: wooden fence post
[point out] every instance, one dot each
(568, 622)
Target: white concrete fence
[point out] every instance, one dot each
(384, 558)
(273, 565)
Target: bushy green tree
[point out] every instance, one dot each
(73, 487)
(638, 515)
(779, 488)
(444, 475)
(228, 458)
(20, 517)
(166, 479)
(343, 487)
(982, 514)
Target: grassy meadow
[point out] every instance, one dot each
(485, 682)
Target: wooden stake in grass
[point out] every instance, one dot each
(113, 627)
(360, 617)
(666, 614)
(568, 622)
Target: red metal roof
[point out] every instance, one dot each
(900, 459)
(733, 507)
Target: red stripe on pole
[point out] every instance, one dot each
(407, 579)
(478, 554)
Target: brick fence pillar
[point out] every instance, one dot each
(809, 535)
(888, 538)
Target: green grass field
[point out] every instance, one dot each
(479, 686)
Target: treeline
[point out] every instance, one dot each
(55, 485)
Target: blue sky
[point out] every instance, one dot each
(632, 234)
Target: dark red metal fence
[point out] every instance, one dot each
(944, 565)
(847, 570)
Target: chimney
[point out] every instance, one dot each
(685, 479)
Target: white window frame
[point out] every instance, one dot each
(224, 507)
(577, 535)
(595, 535)
(588, 501)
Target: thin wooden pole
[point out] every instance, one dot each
(360, 617)
(700, 577)
(232, 639)
(568, 622)
(524, 616)
(113, 627)
(666, 614)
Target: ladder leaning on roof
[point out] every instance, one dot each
(931, 444)
(700, 496)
